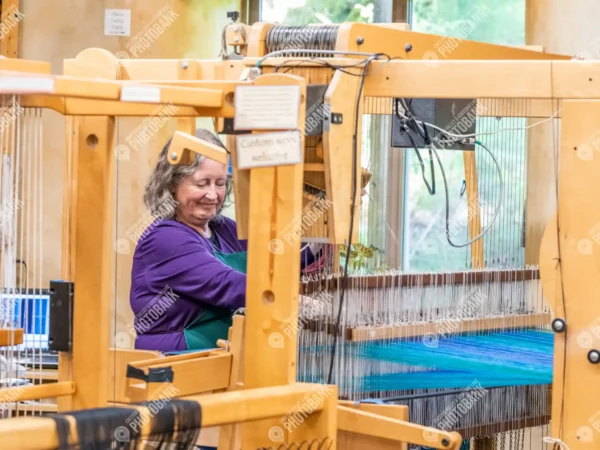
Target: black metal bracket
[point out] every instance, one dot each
(60, 336)
(160, 375)
(337, 118)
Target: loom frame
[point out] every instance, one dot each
(385, 82)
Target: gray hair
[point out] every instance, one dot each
(159, 193)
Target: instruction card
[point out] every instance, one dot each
(117, 22)
(266, 107)
(269, 149)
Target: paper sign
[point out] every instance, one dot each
(23, 85)
(143, 94)
(268, 149)
(266, 107)
(117, 22)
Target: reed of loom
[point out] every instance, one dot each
(89, 263)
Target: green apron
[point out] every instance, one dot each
(213, 323)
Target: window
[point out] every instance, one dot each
(425, 247)
(303, 12)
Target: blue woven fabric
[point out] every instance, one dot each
(515, 358)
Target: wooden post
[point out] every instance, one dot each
(574, 399)
(276, 196)
(473, 205)
(90, 250)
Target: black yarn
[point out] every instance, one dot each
(174, 425)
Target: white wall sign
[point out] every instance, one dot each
(266, 107)
(117, 22)
(269, 149)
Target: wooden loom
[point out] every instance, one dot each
(386, 81)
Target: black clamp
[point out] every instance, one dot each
(160, 375)
(60, 334)
(337, 118)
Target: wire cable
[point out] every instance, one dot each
(488, 133)
(448, 198)
(318, 52)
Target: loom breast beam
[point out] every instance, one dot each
(217, 409)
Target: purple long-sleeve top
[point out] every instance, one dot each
(175, 275)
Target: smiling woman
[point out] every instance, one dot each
(190, 255)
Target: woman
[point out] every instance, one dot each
(188, 274)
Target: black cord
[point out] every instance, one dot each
(325, 63)
(424, 136)
(352, 210)
(430, 188)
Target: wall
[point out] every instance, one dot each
(60, 29)
(560, 27)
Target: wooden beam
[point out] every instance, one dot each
(273, 278)
(363, 334)
(11, 336)
(47, 390)
(473, 207)
(573, 403)
(217, 409)
(369, 424)
(338, 145)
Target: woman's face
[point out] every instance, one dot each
(202, 194)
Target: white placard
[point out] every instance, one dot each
(143, 94)
(266, 107)
(117, 22)
(268, 149)
(27, 84)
